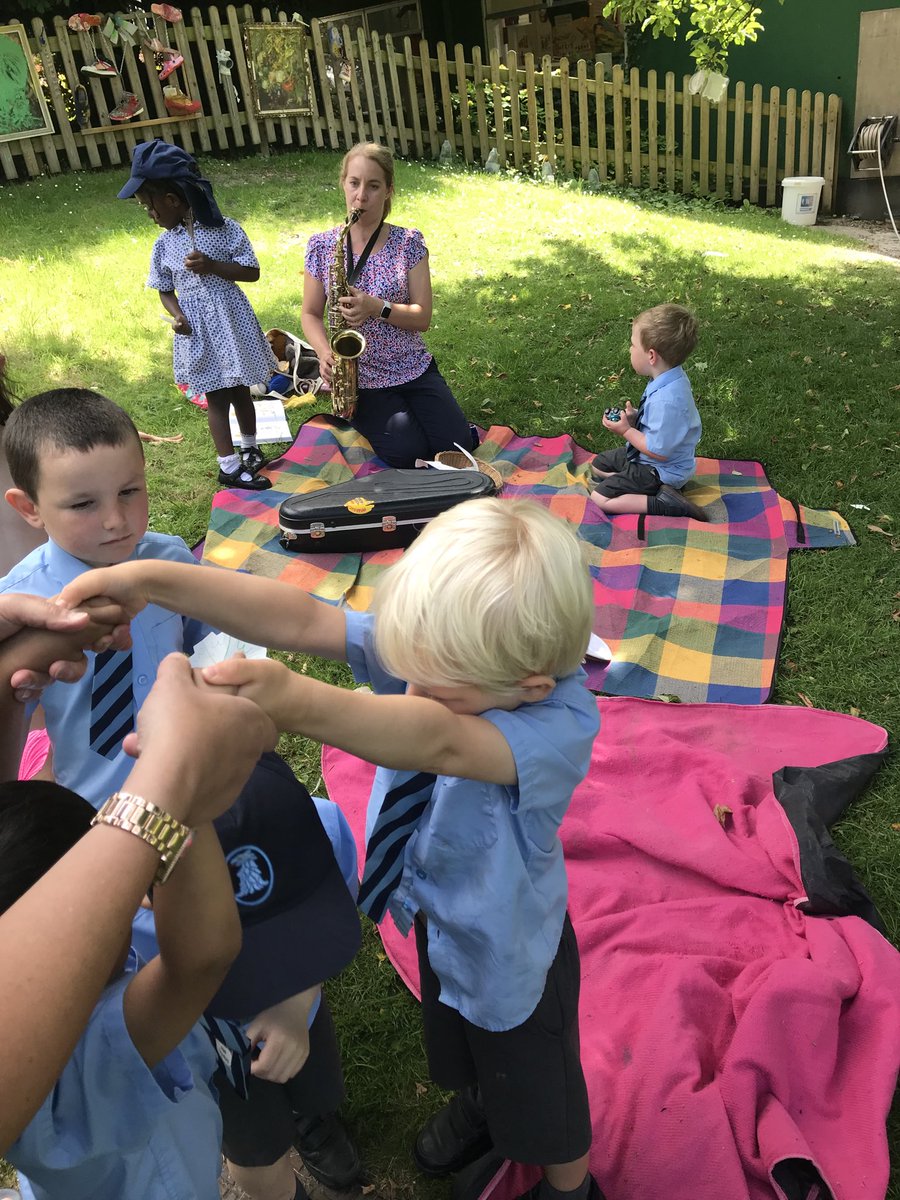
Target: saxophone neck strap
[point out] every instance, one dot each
(354, 270)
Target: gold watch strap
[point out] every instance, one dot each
(153, 825)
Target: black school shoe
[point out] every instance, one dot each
(328, 1151)
(594, 1192)
(674, 504)
(454, 1137)
(253, 458)
(243, 477)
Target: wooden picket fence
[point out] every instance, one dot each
(634, 131)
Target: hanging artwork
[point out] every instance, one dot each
(23, 109)
(279, 68)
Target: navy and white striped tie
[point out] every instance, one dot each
(401, 809)
(112, 701)
(232, 1049)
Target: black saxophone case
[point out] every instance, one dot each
(381, 512)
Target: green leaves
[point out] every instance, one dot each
(716, 25)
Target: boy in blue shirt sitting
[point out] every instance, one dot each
(647, 473)
(483, 727)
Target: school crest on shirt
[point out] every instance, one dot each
(252, 875)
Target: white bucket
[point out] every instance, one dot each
(800, 202)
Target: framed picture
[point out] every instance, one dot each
(279, 68)
(23, 109)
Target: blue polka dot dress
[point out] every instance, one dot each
(227, 347)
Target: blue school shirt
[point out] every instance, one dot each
(155, 631)
(669, 420)
(112, 1128)
(485, 864)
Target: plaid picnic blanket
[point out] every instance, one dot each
(688, 609)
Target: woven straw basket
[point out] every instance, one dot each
(462, 462)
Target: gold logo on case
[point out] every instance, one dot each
(359, 504)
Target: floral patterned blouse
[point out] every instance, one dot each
(392, 356)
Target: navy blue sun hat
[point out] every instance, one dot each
(299, 921)
(162, 160)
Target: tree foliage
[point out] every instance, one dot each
(716, 25)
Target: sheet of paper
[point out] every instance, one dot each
(216, 647)
(271, 423)
(598, 649)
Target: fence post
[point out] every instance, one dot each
(565, 97)
(413, 96)
(618, 97)
(687, 137)
(670, 131)
(790, 131)
(818, 123)
(428, 90)
(499, 131)
(600, 86)
(652, 132)
(534, 137)
(371, 106)
(209, 78)
(832, 144)
(446, 102)
(803, 158)
(462, 88)
(383, 99)
(772, 156)
(634, 91)
(480, 79)
(755, 141)
(722, 146)
(549, 111)
(512, 83)
(703, 152)
(315, 32)
(740, 120)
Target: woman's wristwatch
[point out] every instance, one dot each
(386, 310)
(153, 825)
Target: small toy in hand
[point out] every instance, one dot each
(613, 414)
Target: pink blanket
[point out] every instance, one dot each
(723, 1030)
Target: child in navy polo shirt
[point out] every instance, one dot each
(483, 727)
(646, 475)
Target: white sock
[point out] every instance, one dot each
(229, 462)
(248, 441)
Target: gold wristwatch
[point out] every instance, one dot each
(159, 829)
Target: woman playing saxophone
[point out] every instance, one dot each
(404, 407)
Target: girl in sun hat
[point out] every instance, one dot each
(196, 265)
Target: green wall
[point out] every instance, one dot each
(806, 44)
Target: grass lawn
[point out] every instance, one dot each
(534, 290)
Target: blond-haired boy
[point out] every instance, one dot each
(647, 473)
(482, 727)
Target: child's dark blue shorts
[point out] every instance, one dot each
(530, 1078)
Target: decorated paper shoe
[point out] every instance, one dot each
(82, 106)
(167, 12)
(127, 108)
(170, 65)
(99, 67)
(178, 104)
(84, 22)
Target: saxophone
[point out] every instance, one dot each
(346, 344)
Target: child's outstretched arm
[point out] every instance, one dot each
(199, 936)
(257, 610)
(407, 733)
